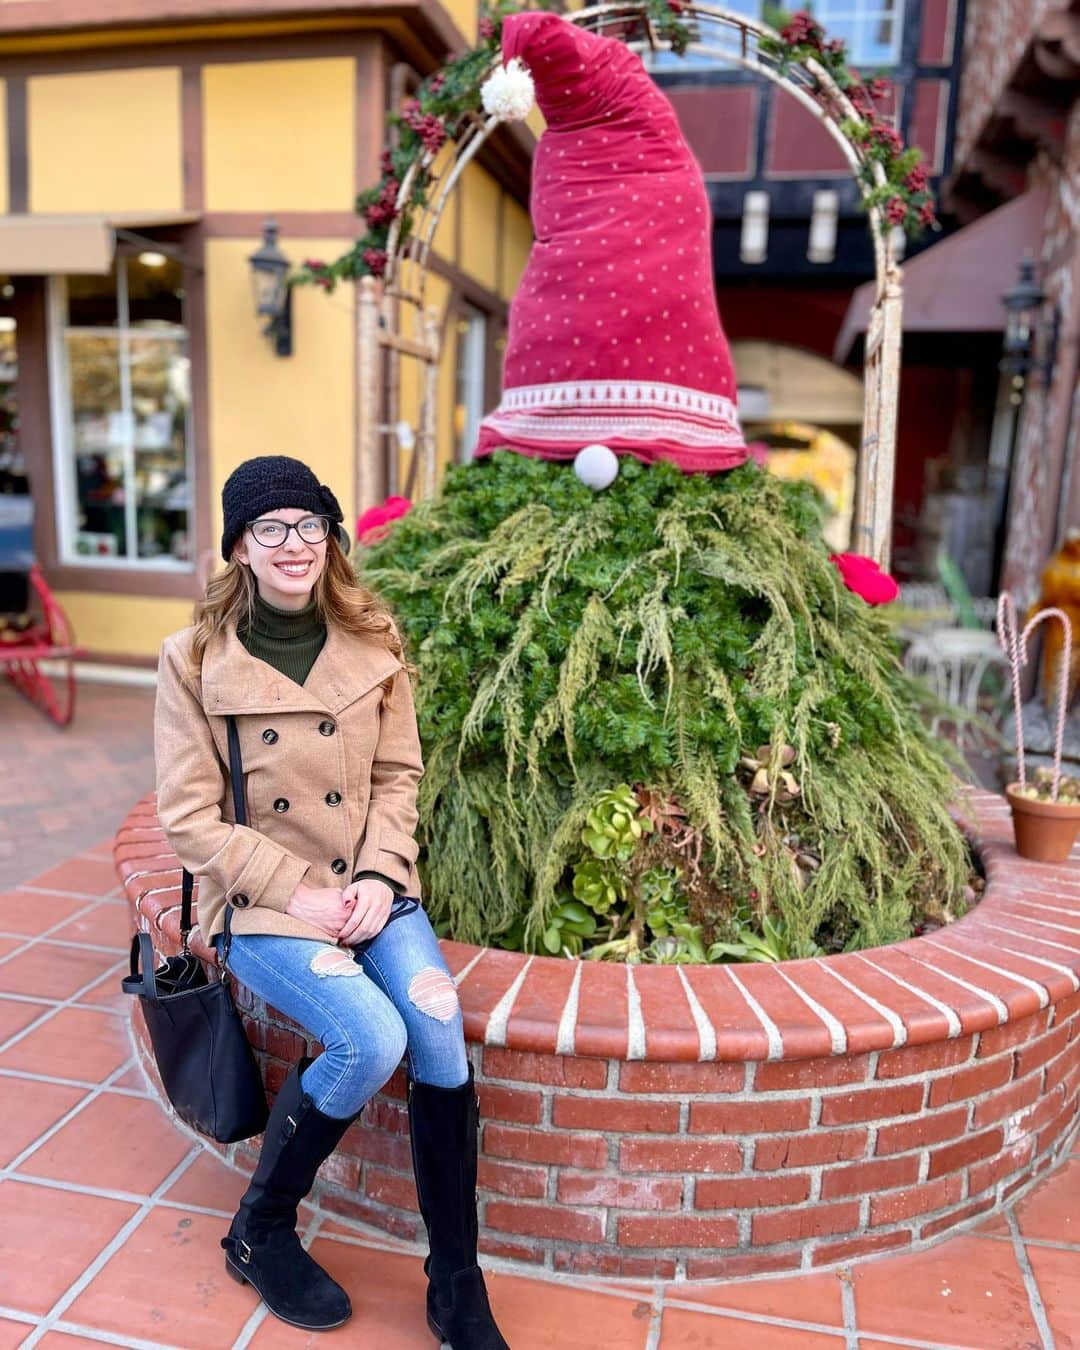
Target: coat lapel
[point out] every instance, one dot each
(347, 668)
(235, 682)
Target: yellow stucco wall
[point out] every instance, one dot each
(105, 141)
(479, 225)
(263, 404)
(465, 14)
(280, 135)
(123, 625)
(517, 240)
(445, 239)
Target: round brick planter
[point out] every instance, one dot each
(712, 1121)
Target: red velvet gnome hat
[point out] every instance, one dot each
(614, 331)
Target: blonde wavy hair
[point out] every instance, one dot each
(341, 602)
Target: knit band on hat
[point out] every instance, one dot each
(614, 333)
(271, 483)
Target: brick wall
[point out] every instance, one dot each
(711, 1122)
(997, 33)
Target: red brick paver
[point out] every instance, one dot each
(111, 1215)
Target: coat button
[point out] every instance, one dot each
(282, 804)
(269, 735)
(333, 799)
(338, 866)
(240, 900)
(327, 728)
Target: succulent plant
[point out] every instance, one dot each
(1040, 787)
(615, 825)
(596, 884)
(570, 925)
(771, 944)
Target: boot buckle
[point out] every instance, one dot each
(243, 1251)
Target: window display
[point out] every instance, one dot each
(124, 439)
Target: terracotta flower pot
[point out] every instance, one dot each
(1045, 831)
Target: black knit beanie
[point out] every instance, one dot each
(271, 483)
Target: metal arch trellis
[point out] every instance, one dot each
(398, 302)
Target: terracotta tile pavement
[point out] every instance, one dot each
(111, 1216)
(66, 792)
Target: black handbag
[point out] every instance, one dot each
(206, 1065)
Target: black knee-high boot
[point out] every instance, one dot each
(443, 1123)
(262, 1248)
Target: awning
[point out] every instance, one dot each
(956, 286)
(39, 245)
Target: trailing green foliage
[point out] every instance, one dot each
(653, 717)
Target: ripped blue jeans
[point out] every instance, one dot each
(391, 996)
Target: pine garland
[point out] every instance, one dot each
(905, 193)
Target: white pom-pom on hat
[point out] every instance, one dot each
(597, 466)
(508, 92)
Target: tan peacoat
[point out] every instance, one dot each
(330, 775)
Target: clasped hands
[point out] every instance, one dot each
(349, 916)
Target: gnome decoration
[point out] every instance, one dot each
(614, 332)
(660, 725)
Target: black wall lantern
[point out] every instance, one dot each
(1026, 331)
(273, 294)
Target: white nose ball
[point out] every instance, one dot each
(596, 466)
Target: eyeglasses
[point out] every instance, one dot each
(272, 533)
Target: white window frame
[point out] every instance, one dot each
(475, 364)
(63, 442)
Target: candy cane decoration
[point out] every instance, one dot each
(1014, 645)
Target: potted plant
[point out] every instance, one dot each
(1046, 810)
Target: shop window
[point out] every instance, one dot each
(470, 359)
(121, 390)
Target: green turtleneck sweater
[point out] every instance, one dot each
(287, 639)
(290, 640)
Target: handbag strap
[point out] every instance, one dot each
(142, 953)
(187, 881)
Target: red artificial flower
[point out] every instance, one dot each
(431, 132)
(896, 210)
(375, 522)
(889, 137)
(314, 264)
(878, 88)
(486, 29)
(803, 30)
(865, 578)
(384, 209)
(917, 179)
(927, 215)
(861, 101)
(375, 260)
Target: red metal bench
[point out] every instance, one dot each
(48, 638)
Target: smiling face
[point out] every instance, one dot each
(285, 575)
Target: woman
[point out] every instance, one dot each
(320, 884)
